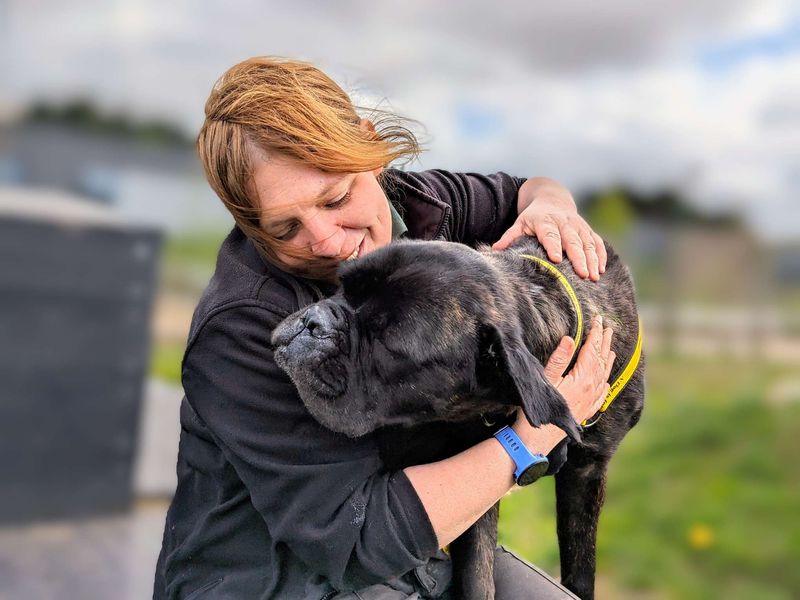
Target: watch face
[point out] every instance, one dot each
(532, 473)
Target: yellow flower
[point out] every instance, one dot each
(701, 537)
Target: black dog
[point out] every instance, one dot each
(423, 335)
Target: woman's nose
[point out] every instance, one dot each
(325, 237)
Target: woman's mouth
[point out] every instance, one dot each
(359, 249)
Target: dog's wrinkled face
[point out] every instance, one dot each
(420, 331)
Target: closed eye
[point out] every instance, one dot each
(294, 227)
(340, 202)
(289, 233)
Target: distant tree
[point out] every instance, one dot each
(82, 114)
(618, 206)
(612, 214)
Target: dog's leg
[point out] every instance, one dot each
(472, 554)
(580, 492)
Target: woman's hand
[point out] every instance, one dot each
(586, 385)
(547, 211)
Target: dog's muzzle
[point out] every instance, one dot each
(310, 338)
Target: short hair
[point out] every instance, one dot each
(277, 105)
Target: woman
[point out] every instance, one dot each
(270, 504)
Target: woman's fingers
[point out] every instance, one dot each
(605, 345)
(559, 361)
(607, 359)
(509, 236)
(610, 364)
(601, 398)
(547, 232)
(586, 385)
(590, 253)
(604, 384)
(574, 246)
(602, 255)
(594, 354)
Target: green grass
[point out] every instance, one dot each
(704, 494)
(189, 260)
(187, 264)
(165, 362)
(199, 247)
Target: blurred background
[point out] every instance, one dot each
(675, 124)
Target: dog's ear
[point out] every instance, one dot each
(505, 364)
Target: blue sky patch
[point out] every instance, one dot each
(478, 122)
(725, 55)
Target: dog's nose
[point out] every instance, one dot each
(319, 321)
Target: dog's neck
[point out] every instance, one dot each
(544, 309)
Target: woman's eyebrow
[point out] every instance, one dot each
(326, 190)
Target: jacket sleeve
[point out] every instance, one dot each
(324, 495)
(482, 207)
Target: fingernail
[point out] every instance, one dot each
(599, 320)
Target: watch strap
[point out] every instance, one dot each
(523, 458)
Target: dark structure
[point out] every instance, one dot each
(76, 288)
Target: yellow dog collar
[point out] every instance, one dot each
(625, 375)
(576, 304)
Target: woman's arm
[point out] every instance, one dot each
(458, 490)
(500, 208)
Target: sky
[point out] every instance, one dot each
(701, 95)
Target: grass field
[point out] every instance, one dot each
(703, 497)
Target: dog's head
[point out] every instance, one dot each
(419, 331)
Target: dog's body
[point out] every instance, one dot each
(438, 344)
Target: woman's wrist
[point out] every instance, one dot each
(545, 189)
(539, 440)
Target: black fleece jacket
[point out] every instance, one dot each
(269, 503)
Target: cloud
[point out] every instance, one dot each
(587, 93)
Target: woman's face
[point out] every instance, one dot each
(329, 215)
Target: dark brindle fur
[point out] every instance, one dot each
(431, 341)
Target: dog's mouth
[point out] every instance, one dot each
(316, 362)
(311, 339)
(321, 377)
(316, 359)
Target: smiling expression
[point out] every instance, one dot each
(331, 216)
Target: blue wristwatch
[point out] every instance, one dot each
(530, 467)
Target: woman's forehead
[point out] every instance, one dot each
(284, 186)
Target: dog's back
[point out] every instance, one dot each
(580, 483)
